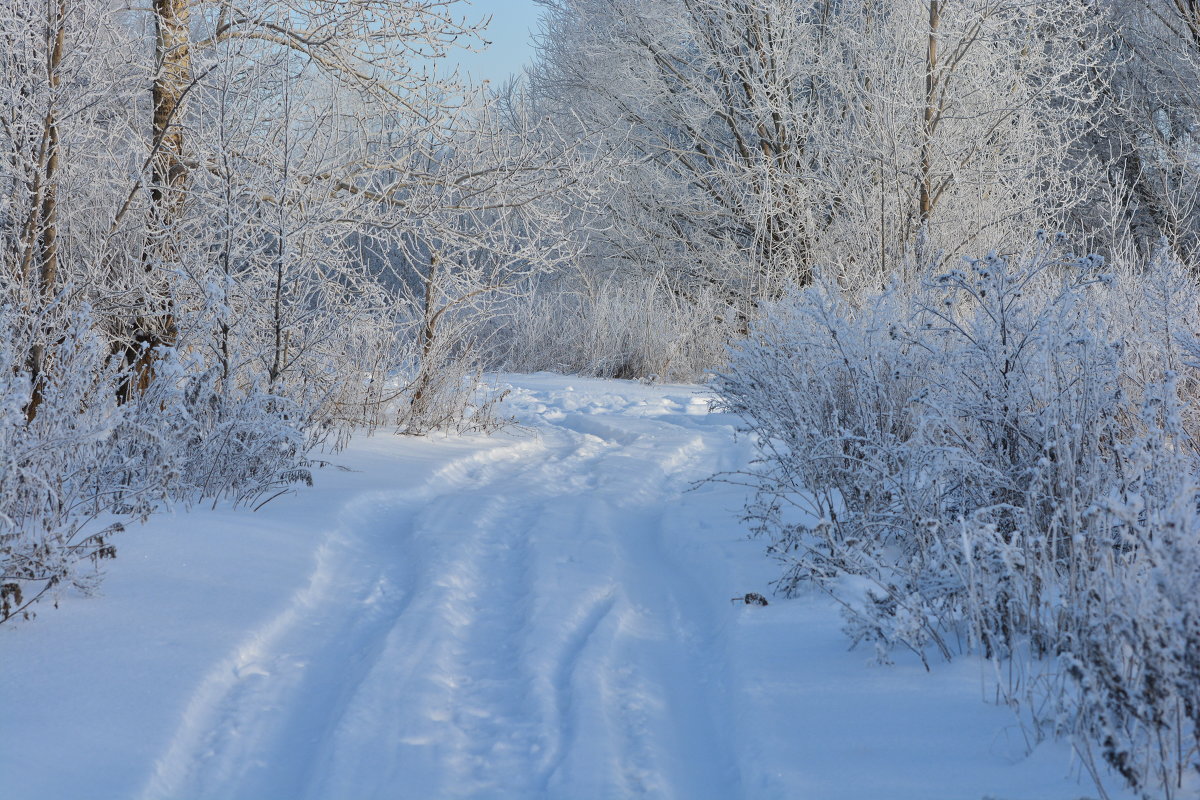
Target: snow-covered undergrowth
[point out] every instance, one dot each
(91, 441)
(1001, 461)
(76, 465)
(541, 613)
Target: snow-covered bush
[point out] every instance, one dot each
(238, 441)
(440, 385)
(77, 465)
(70, 474)
(998, 460)
(1130, 649)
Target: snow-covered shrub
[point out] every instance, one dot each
(77, 465)
(71, 472)
(238, 442)
(998, 460)
(441, 386)
(614, 328)
(1130, 648)
(362, 393)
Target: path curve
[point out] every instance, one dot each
(514, 627)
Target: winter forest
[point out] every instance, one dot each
(936, 261)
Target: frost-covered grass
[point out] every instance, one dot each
(541, 613)
(613, 327)
(1004, 460)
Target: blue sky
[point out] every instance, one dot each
(509, 32)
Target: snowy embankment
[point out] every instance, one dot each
(541, 613)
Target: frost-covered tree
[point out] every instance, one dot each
(762, 138)
(64, 91)
(343, 44)
(1144, 144)
(204, 206)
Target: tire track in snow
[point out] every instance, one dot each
(596, 613)
(225, 732)
(662, 723)
(510, 629)
(466, 707)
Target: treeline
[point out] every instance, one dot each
(738, 148)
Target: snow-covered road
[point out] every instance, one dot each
(540, 614)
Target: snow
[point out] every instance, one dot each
(545, 612)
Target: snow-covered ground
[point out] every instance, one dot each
(544, 613)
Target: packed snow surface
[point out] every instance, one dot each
(543, 613)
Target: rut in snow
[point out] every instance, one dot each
(544, 613)
(515, 626)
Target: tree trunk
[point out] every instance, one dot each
(424, 378)
(42, 247)
(155, 325)
(925, 200)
